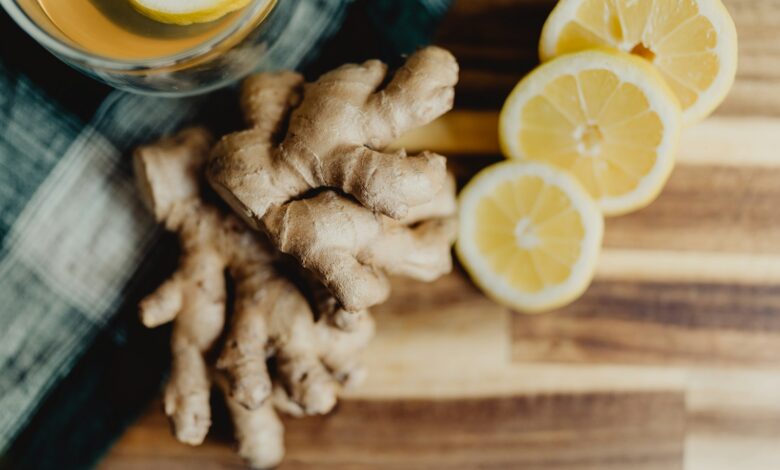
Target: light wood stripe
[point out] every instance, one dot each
(447, 340)
(731, 141)
(734, 419)
(689, 266)
(456, 133)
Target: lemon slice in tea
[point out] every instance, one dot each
(184, 12)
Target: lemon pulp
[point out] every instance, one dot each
(606, 117)
(529, 235)
(693, 43)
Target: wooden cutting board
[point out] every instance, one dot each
(671, 360)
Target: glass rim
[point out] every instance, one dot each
(99, 62)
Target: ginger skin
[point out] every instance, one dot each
(351, 249)
(335, 136)
(271, 318)
(334, 140)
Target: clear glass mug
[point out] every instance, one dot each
(233, 53)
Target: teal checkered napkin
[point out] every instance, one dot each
(72, 229)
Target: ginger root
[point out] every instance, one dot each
(283, 179)
(309, 173)
(271, 317)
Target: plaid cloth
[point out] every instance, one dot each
(75, 365)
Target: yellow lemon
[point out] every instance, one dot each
(693, 43)
(605, 116)
(529, 235)
(184, 12)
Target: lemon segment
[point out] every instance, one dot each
(692, 43)
(606, 117)
(529, 235)
(185, 12)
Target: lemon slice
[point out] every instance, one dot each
(693, 43)
(605, 116)
(529, 235)
(184, 12)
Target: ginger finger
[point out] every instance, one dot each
(342, 346)
(168, 171)
(421, 252)
(244, 355)
(387, 183)
(352, 83)
(306, 381)
(444, 205)
(327, 307)
(162, 305)
(349, 249)
(197, 325)
(195, 330)
(186, 398)
(259, 431)
(326, 233)
(419, 248)
(195, 298)
(341, 349)
(298, 362)
(422, 90)
(267, 99)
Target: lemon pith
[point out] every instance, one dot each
(529, 235)
(606, 117)
(693, 43)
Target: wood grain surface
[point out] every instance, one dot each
(671, 360)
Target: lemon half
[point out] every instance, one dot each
(529, 235)
(185, 12)
(605, 116)
(693, 43)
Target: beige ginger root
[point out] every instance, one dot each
(337, 129)
(335, 136)
(271, 317)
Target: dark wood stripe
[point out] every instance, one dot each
(496, 44)
(736, 423)
(604, 431)
(707, 208)
(657, 323)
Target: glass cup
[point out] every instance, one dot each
(231, 54)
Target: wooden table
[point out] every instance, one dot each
(672, 358)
